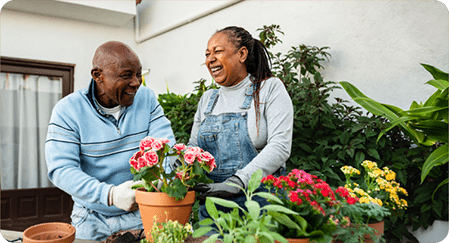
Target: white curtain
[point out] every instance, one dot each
(26, 102)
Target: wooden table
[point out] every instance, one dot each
(12, 235)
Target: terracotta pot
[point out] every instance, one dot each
(49, 233)
(295, 241)
(164, 207)
(379, 227)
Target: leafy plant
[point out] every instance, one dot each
(169, 232)
(426, 124)
(252, 224)
(147, 165)
(356, 230)
(312, 198)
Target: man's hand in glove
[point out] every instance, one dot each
(221, 190)
(123, 197)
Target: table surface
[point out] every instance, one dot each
(12, 235)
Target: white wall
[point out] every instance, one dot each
(31, 36)
(376, 45)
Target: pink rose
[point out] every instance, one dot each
(194, 150)
(164, 140)
(157, 144)
(179, 146)
(189, 157)
(206, 156)
(134, 164)
(141, 162)
(151, 158)
(146, 143)
(180, 175)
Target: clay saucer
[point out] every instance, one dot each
(49, 233)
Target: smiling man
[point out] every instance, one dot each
(91, 137)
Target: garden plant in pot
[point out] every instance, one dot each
(379, 196)
(315, 202)
(167, 196)
(251, 224)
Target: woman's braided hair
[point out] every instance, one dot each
(258, 63)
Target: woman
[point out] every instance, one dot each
(246, 124)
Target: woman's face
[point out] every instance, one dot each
(224, 61)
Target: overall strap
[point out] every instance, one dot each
(249, 97)
(212, 100)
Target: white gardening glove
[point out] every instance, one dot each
(123, 197)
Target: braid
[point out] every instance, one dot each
(257, 63)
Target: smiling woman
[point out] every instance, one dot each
(247, 123)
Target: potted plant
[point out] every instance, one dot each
(163, 195)
(314, 201)
(169, 231)
(377, 186)
(250, 224)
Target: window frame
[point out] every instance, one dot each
(65, 71)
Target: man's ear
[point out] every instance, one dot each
(96, 74)
(243, 51)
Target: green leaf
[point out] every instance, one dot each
(439, 185)
(278, 237)
(269, 197)
(201, 231)
(253, 209)
(278, 208)
(440, 84)
(210, 207)
(250, 239)
(254, 182)
(373, 152)
(223, 202)
(206, 221)
(285, 220)
(438, 157)
(436, 73)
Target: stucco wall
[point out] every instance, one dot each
(31, 36)
(376, 45)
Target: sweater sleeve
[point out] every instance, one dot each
(278, 112)
(62, 152)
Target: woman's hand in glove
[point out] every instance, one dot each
(221, 190)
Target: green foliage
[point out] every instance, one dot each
(425, 123)
(181, 109)
(254, 226)
(169, 232)
(357, 229)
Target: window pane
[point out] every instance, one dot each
(26, 102)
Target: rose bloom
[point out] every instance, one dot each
(157, 144)
(146, 143)
(134, 164)
(195, 150)
(164, 140)
(189, 157)
(179, 146)
(151, 158)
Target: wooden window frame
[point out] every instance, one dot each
(65, 71)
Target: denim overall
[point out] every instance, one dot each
(226, 137)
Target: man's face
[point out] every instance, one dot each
(120, 79)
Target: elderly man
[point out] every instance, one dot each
(91, 137)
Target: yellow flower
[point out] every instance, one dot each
(390, 176)
(364, 200)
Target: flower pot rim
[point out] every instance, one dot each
(155, 198)
(50, 227)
